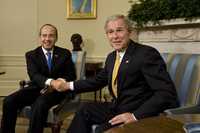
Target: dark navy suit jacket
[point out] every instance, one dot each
(144, 85)
(62, 66)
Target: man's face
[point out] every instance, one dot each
(48, 37)
(118, 34)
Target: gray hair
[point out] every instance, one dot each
(127, 22)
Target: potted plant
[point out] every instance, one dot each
(154, 11)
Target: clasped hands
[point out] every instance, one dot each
(125, 118)
(58, 85)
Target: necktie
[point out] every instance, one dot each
(114, 74)
(49, 60)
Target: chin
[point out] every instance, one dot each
(48, 48)
(117, 47)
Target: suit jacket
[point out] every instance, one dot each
(37, 68)
(144, 85)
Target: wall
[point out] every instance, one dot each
(91, 30)
(21, 19)
(17, 34)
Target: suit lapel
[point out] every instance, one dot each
(42, 58)
(111, 66)
(127, 59)
(55, 59)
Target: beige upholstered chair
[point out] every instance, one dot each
(57, 114)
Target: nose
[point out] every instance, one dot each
(47, 37)
(115, 35)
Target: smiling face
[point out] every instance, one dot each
(118, 34)
(48, 36)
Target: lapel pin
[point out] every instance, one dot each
(127, 61)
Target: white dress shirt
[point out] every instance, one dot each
(48, 81)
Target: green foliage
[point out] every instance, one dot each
(155, 10)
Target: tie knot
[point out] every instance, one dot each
(118, 57)
(48, 53)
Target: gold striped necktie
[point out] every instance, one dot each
(114, 74)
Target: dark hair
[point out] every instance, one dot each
(77, 37)
(76, 40)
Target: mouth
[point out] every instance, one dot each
(117, 43)
(47, 43)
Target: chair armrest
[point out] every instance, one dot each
(68, 105)
(24, 83)
(195, 109)
(107, 97)
(192, 127)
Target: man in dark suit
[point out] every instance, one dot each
(141, 86)
(45, 65)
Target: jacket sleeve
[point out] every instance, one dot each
(33, 70)
(164, 92)
(95, 83)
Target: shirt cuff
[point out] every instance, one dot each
(71, 86)
(48, 82)
(134, 117)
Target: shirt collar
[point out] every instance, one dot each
(45, 51)
(121, 54)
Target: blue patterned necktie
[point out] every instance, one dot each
(49, 63)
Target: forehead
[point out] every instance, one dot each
(48, 29)
(116, 23)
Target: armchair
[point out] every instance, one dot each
(192, 127)
(184, 70)
(57, 114)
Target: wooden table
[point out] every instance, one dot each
(92, 68)
(160, 124)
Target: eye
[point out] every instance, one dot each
(119, 30)
(44, 35)
(109, 31)
(51, 35)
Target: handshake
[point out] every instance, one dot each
(58, 85)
